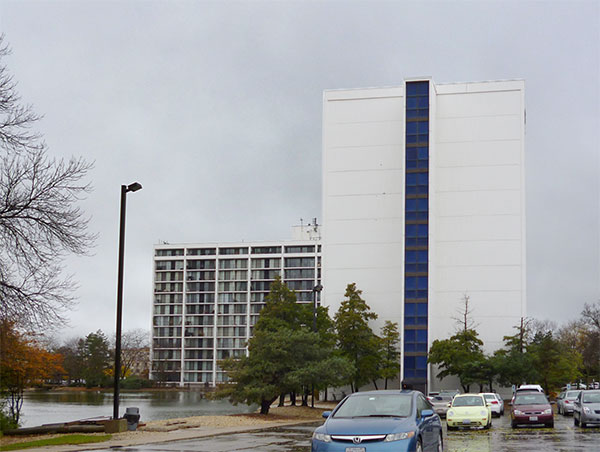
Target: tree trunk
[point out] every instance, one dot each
(281, 400)
(325, 394)
(305, 394)
(266, 404)
(375, 384)
(386, 383)
(292, 398)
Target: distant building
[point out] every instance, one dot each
(423, 202)
(207, 298)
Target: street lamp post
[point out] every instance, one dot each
(124, 189)
(318, 288)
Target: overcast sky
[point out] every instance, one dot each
(216, 109)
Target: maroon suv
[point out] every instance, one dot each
(531, 408)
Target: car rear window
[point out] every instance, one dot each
(530, 399)
(572, 394)
(490, 397)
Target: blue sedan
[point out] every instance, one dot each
(378, 421)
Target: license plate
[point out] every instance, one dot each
(466, 421)
(533, 418)
(355, 449)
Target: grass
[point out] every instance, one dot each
(59, 440)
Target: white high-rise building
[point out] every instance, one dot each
(207, 298)
(423, 204)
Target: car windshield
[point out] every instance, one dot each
(530, 399)
(572, 394)
(467, 401)
(380, 405)
(593, 397)
(441, 398)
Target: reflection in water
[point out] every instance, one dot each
(63, 406)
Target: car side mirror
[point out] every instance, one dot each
(449, 405)
(326, 414)
(426, 413)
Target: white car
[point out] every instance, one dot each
(496, 405)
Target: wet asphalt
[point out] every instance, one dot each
(564, 437)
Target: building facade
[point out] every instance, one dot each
(423, 205)
(207, 298)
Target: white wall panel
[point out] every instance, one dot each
(500, 252)
(358, 207)
(365, 110)
(364, 134)
(365, 158)
(371, 230)
(477, 153)
(364, 255)
(478, 228)
(478, 178)
(478, 104)
(365, 182)
(461, 203)
(473, 278)
(480, 128)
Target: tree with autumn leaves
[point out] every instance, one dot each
(23, 363)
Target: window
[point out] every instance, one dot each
(200, 309)
(233, 275)
(415, 314)
(415, 340)
(201, 287)
(233, 286)
(299, 262)
(266, 250)
(169, 265)
(200, 276)
(200, 298)
(266, 263)
(233, 297)
(169, 252)
(201, 251)
(300, 249)
(307, 273)
(228, 251)
(201, 265)
(233, 263)
(169, 299)
(265, 274)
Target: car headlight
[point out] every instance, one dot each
(399, 436)
(548, 411)
(322, 437)
(518, 413)
(450, 413)
(586, 410)
(483, 412)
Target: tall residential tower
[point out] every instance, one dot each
(423, 205)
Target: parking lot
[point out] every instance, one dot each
(564, 437)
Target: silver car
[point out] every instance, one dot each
(565, 402)
(587, 408)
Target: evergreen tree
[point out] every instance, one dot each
(390, 353)
(356, 340)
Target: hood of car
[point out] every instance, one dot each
(368, 425)
(468, 410)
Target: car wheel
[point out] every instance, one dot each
(513, 424)
(419, 446)
(575, 420)
(488, 425)
(550, 425)
(583, 425)
(450, 428)
(559, 410)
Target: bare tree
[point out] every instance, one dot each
(591, 315)
(40, 220)
(135, 352)
(464, 318)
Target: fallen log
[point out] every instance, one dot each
(55, 428)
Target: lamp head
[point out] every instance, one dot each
(134, 187)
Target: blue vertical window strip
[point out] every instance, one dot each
(416, 232)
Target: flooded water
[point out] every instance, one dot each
(62, 406)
